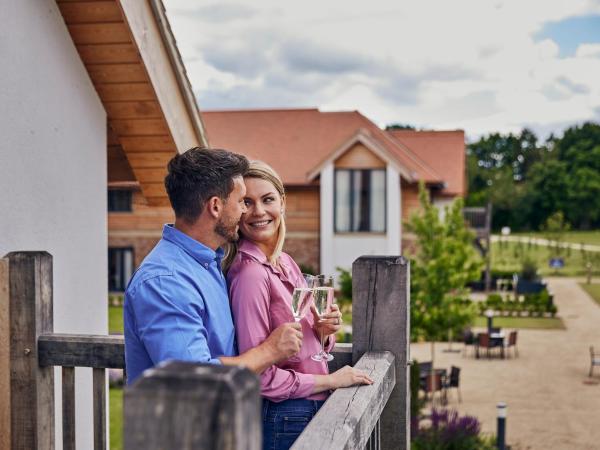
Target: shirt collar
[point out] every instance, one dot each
(251, 249)
(200, 252)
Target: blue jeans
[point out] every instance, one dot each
(284, 421)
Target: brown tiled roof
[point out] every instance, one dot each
(296, 141)
(444, 151)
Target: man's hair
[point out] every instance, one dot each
(198, 175)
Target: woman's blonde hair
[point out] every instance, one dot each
(262, 171)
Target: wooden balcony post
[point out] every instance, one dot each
(380, 322)
(193, 406)
(26, 305)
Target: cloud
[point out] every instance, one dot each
(480, 66)
(218, 12)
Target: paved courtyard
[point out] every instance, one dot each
(550, 403)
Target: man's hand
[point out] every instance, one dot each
(285, 341)
(329, 323)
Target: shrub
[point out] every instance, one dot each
(529, 269)
(345, 281)
(449, 431)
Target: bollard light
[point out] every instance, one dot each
(501, 426)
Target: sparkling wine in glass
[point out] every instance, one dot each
(301, 299)
(323, 299)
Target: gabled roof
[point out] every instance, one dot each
(444, 151)
(131, 57)
(297, 141)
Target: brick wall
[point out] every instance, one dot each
(305, 251)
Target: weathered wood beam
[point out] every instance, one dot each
(30, 315)
(78, 350)
(380, 311)
(185, 405)
(348, 418)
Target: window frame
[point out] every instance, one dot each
(351, 206)
(122, 251)
(129, 209)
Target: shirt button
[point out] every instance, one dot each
(206, 265)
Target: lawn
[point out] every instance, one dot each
(539, 323)
(509, 256)
(116, 418)
(575, 237)
(593, 290)
(115, 320)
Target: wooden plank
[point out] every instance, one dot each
(349, 416)
(148, 25)
(90, 12)
(68, 408)
(185, 405)
(108, 54)
(141, 127)
(117, 73)
(101, 33)
(99, 393)
(149, 144)
(342, 356)
(152, 159)
(132, 110)
(154, 190)
(125, 92)
(4, 356)
(158, 201)
(81, 350)
(156, 175)
(32, 386)
(380, 311)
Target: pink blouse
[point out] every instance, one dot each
(261, 298)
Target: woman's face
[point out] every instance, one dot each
(264, 210)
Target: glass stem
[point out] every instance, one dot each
(322, 343)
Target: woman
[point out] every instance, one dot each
(261, 281)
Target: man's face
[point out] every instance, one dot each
(233, 208)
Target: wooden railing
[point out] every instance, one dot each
(183, 405)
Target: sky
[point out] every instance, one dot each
(477, 65)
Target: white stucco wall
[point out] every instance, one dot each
(53, 173)
(441, 203)
(340, 250)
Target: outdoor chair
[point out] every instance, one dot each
(468, 340)
(439, 386)
(595, 359)
(512, 342)
(424, 370)
(453, 381)
(484, 341)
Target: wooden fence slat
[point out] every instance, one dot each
(68, 408)
(99, 393)
(184, 405)
(349, 416)
(79, 350)
(32, 387)
(380, 311)
(4, 356)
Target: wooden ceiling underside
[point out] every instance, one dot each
(109, 52)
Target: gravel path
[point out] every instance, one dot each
(550, 404)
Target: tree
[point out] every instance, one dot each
(399, 126)
(554, 229)
(443, 263)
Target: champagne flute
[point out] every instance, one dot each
(301, 300)
(323, 299)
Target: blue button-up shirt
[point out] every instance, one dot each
(176, 306)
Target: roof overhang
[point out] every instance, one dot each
(363, 137)
(130, 54)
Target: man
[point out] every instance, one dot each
(176, 304)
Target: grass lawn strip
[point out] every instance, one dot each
(115, 320)
(116, 418)
(593, 290)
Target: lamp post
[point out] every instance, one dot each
(489, 313)
(501, 426)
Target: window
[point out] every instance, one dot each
(120, 268)
(119, 200)
(360, 197)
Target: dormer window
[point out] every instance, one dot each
(119, 200)
(360, 199)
